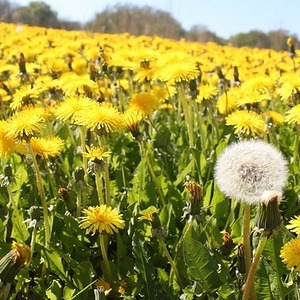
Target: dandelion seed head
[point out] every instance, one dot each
(246, 169)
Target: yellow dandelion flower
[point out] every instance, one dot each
(275, 117)
(290, 254)
(103, 219)
(143, 75)
(25, 96)
(166, 106)
(163, 93)
(80, 86)
(228, 101)
(96, 153)
(250, 97)
(27, 122)
(294, 225)
(261, 84)
(207, 91)
(289, 89)
(148, 214)
(293, 115)
(143, 102)
(178, 71)
(246, 122)
(70, 106)
(7, 144)
(132, 119)
(45, 147)
(100, 116)
(101, 283)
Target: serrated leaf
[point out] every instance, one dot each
(163, 279)
(54, 262)
(68, 292)
(19, 230)
(82, 274)
(202, 265)
(182, 176)
(54, 291)
(145, 269)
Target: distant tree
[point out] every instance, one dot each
(253, 38)
(137, 21)
(200, 33)
(278, 39)
(6, 10)
(69, 25)
(36, 13)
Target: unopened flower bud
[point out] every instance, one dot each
(268, 218)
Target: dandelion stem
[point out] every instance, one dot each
(102, 142)
(105, 259)
(82, 145)
(279, 282)
(107, 184)
(246, 237)
(179, 247)
(11, 197)
(187, 114)
(83, 131)
(78, 203)
(51, 181)
(154, 178)
(40, 186)
(171, 261)
(249, 285)
(33, 239)
(99, 185)
(231, 216)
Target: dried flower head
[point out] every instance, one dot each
(246, 169)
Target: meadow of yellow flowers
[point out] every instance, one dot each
(139, 167)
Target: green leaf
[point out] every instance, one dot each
(68, 292)
(203, 265)
(82, 274)
(145, 269)
(19, 231)
(163, 279)
(182, 176)
(54, 262)
(54, 291)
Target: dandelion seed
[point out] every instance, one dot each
(248, 168)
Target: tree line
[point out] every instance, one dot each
(138, 21)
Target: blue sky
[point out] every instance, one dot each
(224, 17)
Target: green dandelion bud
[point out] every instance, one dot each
(268, 218)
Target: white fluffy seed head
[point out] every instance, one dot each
(244, 170)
